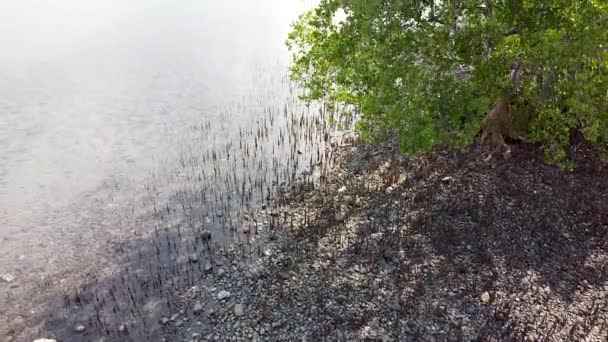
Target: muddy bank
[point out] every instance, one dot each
(441, 248)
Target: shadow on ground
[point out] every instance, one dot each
(446, 247)
(442, 248)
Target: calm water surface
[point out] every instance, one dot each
(98, 97)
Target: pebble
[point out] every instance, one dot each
(206, 235)
(122, 328)
(193, 258)
(45, 340)
(174, 317)
(223, 295)
(339, 217)
(7, 277)
(179, 323)
(239, 310)
(80, 328)
(198, 308)
(164, 320)
(208, 267)
(341, 299)
(485, 297)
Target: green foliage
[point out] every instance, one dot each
(430, 70)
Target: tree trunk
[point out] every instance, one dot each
(497, 125)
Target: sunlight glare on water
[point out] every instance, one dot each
(96, 95)
(98, 89)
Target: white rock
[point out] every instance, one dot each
(485, 297)
(342, 189)
(447, 179)
(223, 295)
(80, 328)
(7, 277)
(45, 340)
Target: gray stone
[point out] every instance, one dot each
(198, 308)
(174, 317)
(80, 328)
(223, 295)
(339, 217)
(179, 323)
(206, 235)
(193, 258)
(208, 267)
(164, 320)
(45, 340)
(182, 259)
(239, 310)
(341, 299)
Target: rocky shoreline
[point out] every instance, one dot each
(446, 247)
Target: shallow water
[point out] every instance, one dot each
(109, 110)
